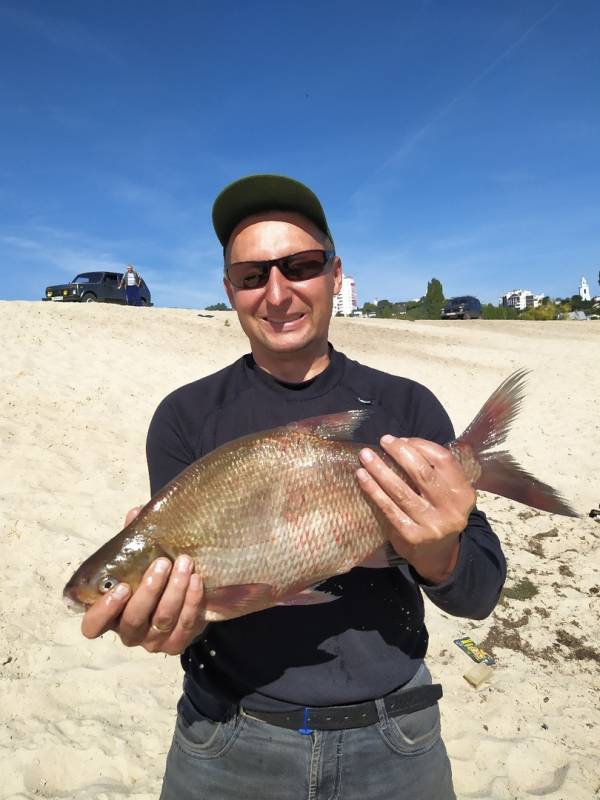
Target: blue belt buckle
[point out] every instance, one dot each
(305, 731)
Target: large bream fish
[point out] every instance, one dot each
(269, 516)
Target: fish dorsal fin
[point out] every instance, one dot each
(333, 426)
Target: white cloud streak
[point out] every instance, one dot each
(401, 153)
(186, 275)
(62, 33)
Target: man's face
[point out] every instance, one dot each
(284, 316)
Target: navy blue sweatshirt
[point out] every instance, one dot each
(373, 638)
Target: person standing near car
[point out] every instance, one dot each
(309, 701)
(132, 282)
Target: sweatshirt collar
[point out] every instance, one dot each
(305, 390)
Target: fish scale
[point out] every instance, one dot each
(296, 527)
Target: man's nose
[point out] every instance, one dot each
(278, 288)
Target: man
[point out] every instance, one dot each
(132, 282)
(320, 701)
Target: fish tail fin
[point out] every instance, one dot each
(500, 473)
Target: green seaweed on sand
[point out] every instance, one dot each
(522, 590)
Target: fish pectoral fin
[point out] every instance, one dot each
(240, 598)
(308, 597)
(384, 557)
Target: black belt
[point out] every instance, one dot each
(333, 718)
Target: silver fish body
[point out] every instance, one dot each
(269, 516)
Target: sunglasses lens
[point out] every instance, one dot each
(305, 266)
(297, 267)
(248, 275)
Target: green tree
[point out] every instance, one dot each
(540, 313)
(369, 308)
(490, 311)
(217, 307)
(434, 299)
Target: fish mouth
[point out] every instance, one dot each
(74, 606)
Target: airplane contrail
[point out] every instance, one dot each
(402, 151)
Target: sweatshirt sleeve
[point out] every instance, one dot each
(474, 587)
(167, 452)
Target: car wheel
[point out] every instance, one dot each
(143, 301)
(88, 297)
(466, 316)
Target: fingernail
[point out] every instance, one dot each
(362, 475)
(195, 582)
(183, 564)
(121, 590)
(387, 439)
(162, 565)
(366, 455)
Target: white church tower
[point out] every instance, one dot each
(584, 290)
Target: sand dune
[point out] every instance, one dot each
(93, 720)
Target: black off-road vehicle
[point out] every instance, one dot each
(94, 287)
(466, 307)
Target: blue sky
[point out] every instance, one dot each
(457, 140)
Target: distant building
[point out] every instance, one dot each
(345, 302)
(521, 299)
(584, 290)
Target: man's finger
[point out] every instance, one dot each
(191, 621)
(438, 456)
(101, 617)
(403, 528)
(168, 610)
(132, 514)
(419, 469)
(391, 483)
(449, 469)
(135, 620)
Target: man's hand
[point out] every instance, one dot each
(427, 516)
(164, 614)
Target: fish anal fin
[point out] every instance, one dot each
(384, 557)
(333, 426)
(308, 597)
(239, 599)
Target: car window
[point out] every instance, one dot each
(87, 277)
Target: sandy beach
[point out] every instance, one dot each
(93, 720)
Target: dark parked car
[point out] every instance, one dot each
(94, 287)
(466, 307)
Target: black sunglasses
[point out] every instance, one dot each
(295, 267)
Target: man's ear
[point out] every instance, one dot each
(337, 275)
(230, 293)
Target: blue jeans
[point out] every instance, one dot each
(246, 759)
(133, 295)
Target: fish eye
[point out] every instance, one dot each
(106, 583)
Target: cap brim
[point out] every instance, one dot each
(257, 193)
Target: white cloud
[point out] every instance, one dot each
(185, 275)
(60, 32)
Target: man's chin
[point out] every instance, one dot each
(286, 343)
(286, 338)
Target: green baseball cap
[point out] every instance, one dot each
(256, 193)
